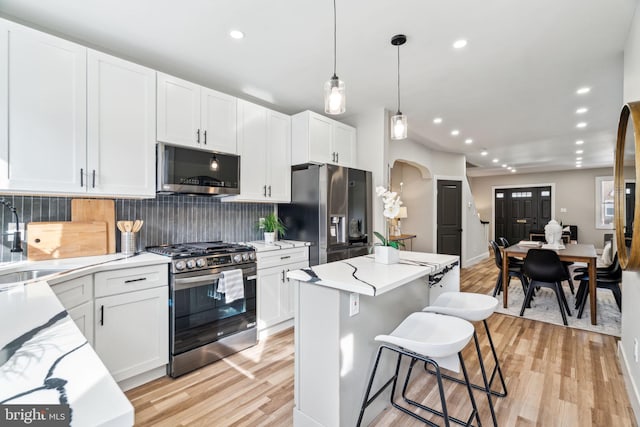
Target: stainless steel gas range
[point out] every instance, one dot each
(212, 302)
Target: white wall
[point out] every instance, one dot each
(631, 280)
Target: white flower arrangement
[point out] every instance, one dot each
(392, 203)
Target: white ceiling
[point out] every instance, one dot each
(512, 89)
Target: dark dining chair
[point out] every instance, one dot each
(504, 242)
(515, 270)
(605, 280)
(544, 269)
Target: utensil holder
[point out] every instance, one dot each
(128, 243)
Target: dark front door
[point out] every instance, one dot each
(520, 211)
(449, 217)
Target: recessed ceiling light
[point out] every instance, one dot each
(437, 120)
(495, 160)
(459, 44)
(455, 132)
(509, 168)
(583, 90)
(468, 141)
(513, 171)
(235, 34)
(484, 153)
(578, 165)
(579, 151)
(582, 110)
(581, 125)
(504, 165)
(579, 142)
(578, 159)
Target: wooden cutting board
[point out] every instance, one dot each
(65, 239)
(87, 210)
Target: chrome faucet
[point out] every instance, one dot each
(17, 240)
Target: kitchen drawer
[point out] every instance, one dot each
(130, 279)
(75, 291)
(282, 257)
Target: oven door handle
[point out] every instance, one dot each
(254, 277)
(192, 282)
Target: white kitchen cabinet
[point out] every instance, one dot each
(121, 107)
(76, 296)
(264, 143)
(194, 116)
(319, 139)
(131, 320)
(132, 331)
(43, 126)
(275, 290)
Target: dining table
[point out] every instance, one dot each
(572, 252)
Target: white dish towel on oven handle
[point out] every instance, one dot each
(231, 284)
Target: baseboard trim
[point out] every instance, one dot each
(475, 260)
(143, 378)
(629, 382)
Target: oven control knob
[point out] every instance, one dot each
(201, 262)
(245, 257)
(180, 265)
(237, 258)
(191, 263)
(252, 256)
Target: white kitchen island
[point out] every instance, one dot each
(334, 350)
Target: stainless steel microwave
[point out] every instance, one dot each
(191, 171)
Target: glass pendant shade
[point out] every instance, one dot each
(398, 126)
(334, 96)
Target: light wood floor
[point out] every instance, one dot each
(556, 376)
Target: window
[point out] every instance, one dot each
(604, 202)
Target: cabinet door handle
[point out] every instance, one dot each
(81, 177)
(101, 315)
(269, 191)
(198, 135)
(288, 280)
(333, 156)
(337, 157)
(285, 257)
(205, 137)
(283, 278)
(135, 280)
(94, 179)
(265, 191)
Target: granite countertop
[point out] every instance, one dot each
(364, 276)
(259, 245)
(44, 358)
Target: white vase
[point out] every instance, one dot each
(269, 238)
(386, 255)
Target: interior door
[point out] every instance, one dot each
(449, 221)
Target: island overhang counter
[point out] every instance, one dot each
(335, 348)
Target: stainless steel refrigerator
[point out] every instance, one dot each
(331, 208)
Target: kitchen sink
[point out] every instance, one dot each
(23, 276)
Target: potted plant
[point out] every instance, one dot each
(387, 252)
(272, 225)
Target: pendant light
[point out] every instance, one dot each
(334, 91)
(213, 163)
(399, 120)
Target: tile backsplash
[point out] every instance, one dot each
(167, 219)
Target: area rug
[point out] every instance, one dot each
(544, 308)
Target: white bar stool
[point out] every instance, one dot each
(435, 340)
(473, 307)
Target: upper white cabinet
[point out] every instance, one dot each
(319, 139)
(264, 144)
(121, 127)
(195, 116)
(72, 120)
(43, 122)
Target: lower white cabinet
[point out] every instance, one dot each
(82, 315)
(131, 331)
(275, 290)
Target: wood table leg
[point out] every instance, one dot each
(505, 279)
(592, 291)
